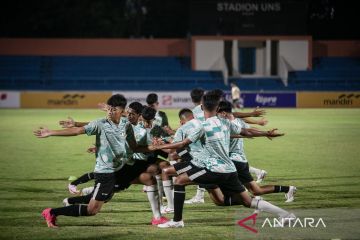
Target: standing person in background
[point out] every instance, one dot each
(236, 96)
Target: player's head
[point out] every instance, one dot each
(210, 101)
(148, 115)
(225, 108)
(219, 93)
(185, 115)
(152, 100)
(116, 106)
(134, 112)
(196, 95)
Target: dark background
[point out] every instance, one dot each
(323, 19)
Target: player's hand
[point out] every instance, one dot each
(263, 122)
(258, 112)
(42, 132)
(168, 130)
(153, 147)
(273, 133)
(103, 106)
(157, 141)
(91, 149)
(68, 123)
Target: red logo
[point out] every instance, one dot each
(3, 96)
(167, 100)
(253, 217)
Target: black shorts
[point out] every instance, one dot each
(243, 172)
(128, 173)
(104, 186)
(228, 182)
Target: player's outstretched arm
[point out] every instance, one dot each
(176, 145)
(261, 122)
(44, 132)
(69, 123)
(252, 132)
(257, 112)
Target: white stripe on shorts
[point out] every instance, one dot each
(182, 152)
(196, 175)
(180, 171)
(96, 190)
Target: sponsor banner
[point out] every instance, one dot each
(9, 99)
(266, 99)
(328, 99)
(63, 99)
(166, 99)
(269, 99)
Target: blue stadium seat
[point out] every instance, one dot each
(160, 73)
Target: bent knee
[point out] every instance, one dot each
(92, 211)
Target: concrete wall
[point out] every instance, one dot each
(95, 47)
(336, 49)
(296, 53)
(209, 54)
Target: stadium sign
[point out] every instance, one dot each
(63, 99)
(9, 99)
(269, 99)
(328, 99)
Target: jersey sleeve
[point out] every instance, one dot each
(93, 127)
(235, 127)
(179, 136)
(196, 133)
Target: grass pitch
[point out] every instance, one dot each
(319, 154)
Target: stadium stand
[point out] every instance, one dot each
(103, 73)
(161, 73)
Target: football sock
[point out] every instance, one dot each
(179, 198)
(153, 196)
(168, 189)
(281, 189)
(80, 199)
(73, 210)
(83, 179)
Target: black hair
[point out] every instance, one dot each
(136, 106)
(196, 94)
(148, 113)
(117, 100)
(151, 98)
(210, 101)
(185, 112)
(225, 106)
(217, 92)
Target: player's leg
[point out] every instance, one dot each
(260, 174)
(166, 176)
(104, 185)
(83, 179)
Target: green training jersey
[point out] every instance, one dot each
(194, 131)
(198, 113)
(217, 146)
(112, 149)
(237, 152)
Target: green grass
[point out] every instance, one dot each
(319, 154)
